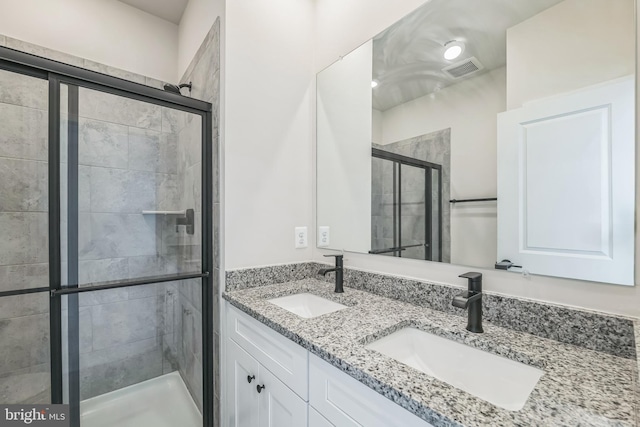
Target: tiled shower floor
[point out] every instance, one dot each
(160, 402)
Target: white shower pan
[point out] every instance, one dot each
(159, 402)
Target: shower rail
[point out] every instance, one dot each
(127, 283)
(396, 249)
(23, 291)
(489, 199)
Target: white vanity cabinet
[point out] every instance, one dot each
(256, 397)
(267, 376)
(299, 389)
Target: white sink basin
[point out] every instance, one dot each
(307, 305)
(496, 379)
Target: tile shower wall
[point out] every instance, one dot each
(24, 320)
(434, 147)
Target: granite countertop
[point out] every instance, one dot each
(579, 386)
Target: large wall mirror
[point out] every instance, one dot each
(493, 134)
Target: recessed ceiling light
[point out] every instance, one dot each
(374, 83)
(453, 49)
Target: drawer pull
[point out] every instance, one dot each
(259, 388)
(250, 378)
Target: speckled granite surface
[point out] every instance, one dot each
(595, 331)
(269, 275)
(579, 387)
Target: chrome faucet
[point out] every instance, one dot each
(471, 300)
(339, 272)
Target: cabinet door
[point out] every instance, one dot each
(284, 358)
(243, 404)
(279, 406)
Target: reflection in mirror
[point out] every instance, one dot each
(476, 132)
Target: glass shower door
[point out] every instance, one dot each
(106, 297)
(383, 207)
(414, 211)
(131, 215)
(406, 207)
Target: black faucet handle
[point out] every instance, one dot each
(475, 280)
(472, 275)
(337, 256)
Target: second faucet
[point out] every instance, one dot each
(339, 272)
(471, 300)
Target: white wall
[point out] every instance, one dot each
(575, 44)
(355, 24)
(469, 108)
(268, 139)
(344, 150)
(196, 22)
(267, 114)
(105, 31)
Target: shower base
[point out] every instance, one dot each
(160, 402)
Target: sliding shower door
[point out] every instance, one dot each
(406, 207)
(131, 174)
(106, 213)
(414, 211)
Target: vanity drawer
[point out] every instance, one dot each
(344, 401)
(285, 359)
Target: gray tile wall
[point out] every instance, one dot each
(24, 320)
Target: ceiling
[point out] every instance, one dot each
(169, 10)
(408, 56)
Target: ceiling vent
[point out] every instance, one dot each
(463, 68)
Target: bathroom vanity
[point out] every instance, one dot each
(273, 381)
(328, 370)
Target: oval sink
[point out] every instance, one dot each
(496, 379)
(307, 305)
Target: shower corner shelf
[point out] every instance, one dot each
(186, 218)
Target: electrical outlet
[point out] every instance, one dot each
(323, 237)
(301, 237)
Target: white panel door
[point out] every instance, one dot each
(279, 406)
(243, 404)
(566, 184)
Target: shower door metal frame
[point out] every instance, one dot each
(397, 201)
(57, 74)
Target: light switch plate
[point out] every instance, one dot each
(323, 237)
(301, 237)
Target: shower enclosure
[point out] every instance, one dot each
(105, 215)
(406, 207)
